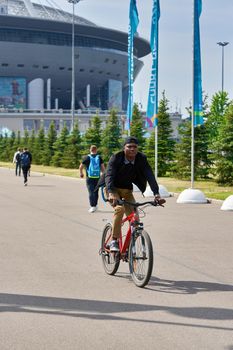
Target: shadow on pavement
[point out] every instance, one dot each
(187, 287)
(105, 310)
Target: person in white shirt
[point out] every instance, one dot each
(17, 161)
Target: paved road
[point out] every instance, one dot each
(55, 295)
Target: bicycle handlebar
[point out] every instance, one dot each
(137, 204)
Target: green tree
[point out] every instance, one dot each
(49, 144)
(216, 117)
(60, 146)
(72, 155)
(1, 146)
(224, 158)
(93, 134)
(111, 136)
(165, 141)
(4, 153)
(38, 150)
(11, 146)
(31, 143)
(26, 139)
(182, 168)
(18, 141)
(150, 149)
(202, 163)
(137, 126)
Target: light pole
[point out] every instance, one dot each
(223, 44)
(73, 2)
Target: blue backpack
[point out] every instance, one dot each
(25, 160)
(94, 167)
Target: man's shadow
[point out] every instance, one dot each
(187, 287)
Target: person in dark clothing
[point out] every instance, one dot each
(26, 159)
(94, 166)
(124, 169)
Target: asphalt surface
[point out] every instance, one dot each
(54, 293)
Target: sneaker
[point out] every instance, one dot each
(114, 246)
(25, 183)
(92, 209)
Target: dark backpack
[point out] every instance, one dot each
(94, 167)
(25, 160)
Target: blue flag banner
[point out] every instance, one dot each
(152, 105)
(197, 80)
(133, 24)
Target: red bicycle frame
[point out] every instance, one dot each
(124, 245)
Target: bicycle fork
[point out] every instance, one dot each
(136, 233)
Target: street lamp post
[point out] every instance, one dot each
(73, 2)
(223, 44)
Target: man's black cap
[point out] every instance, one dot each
(130, 139)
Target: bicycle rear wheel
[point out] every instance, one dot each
(111, 261)
(141, 259)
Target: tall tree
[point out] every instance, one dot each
(4, 153)
(38, 150)
(59, 147)
(182, 167)
(111, 136)
(26, 139)
(137, 126)
(49, 144)
(31, 143)
(218, 107)
(202, 163)
(11, 145)
(72, 155)
(224, 158)
(93, 134)
(150, 149)
(165, 141)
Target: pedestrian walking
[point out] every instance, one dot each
(94, 166)
(26, 159)
(17, 161)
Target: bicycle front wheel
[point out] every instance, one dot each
(111, 261)
(141, 259)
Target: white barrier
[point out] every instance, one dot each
(228, 203)
(192, 196)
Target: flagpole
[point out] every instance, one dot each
(192, 119)
(133, 24)
(192, 195)
(156, 151)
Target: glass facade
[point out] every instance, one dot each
(59, 39)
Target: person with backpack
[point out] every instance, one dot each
(17, 161)
(94, 165)
(26, 159)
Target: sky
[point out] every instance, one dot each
(175, 44)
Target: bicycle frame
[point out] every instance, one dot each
(135, 247)
(124, 244)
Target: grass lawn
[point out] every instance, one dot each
(208, 187)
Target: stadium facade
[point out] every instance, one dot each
(36, 67)
(36, 59)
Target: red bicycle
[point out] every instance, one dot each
(135, 247)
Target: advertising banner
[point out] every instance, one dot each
(12, 92)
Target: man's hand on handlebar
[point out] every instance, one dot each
(159, 200)
(112, 199)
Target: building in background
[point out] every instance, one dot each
(35, 46)
(36, 67)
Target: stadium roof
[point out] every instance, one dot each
(28, 9)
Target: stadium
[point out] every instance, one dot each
(36, 60)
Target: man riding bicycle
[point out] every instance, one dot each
(124, 169)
